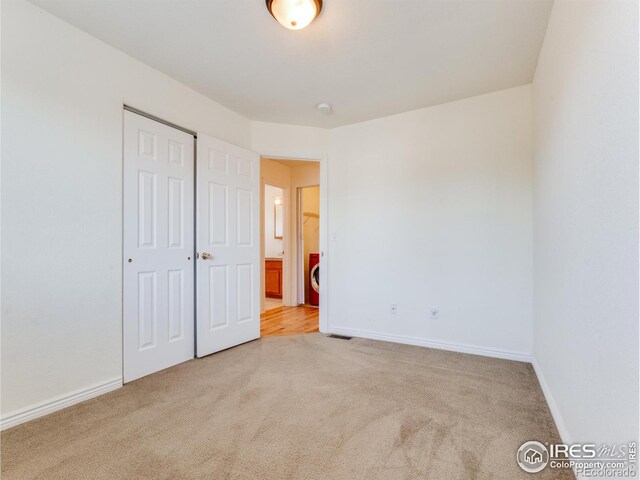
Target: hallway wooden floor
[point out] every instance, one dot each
(289, 321)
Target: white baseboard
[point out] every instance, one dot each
(41, 409)
(452, 347)
(565, 436)
(553, 406)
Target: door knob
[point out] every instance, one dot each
(206, 256)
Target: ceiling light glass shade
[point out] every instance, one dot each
(294, 14)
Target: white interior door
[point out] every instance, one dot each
(158, 246)
(228, 245)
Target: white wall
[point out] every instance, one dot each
(62, 98)
(289, 141)
(434, 207)
(586, 220)
(273, 247)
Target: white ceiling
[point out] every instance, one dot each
(367, 58)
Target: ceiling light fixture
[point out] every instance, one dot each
(294, 14)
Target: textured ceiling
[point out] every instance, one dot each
(367, 58)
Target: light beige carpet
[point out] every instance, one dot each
(299, 407)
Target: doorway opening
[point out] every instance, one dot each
(273, 245)
(290, 246)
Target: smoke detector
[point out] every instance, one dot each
(325, 108)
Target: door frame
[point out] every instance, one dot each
(300, 246)
(300, 258)
(323, 160)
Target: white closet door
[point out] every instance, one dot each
(228, 245)
(158, 246)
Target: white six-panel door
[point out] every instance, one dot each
(228, 245)
(158, 246)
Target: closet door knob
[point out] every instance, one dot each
(206, 256)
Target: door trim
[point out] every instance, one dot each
(300, 246)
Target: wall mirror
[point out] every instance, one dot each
(278, 227)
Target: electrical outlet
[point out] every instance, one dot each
(394, 309)
(434, 313)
